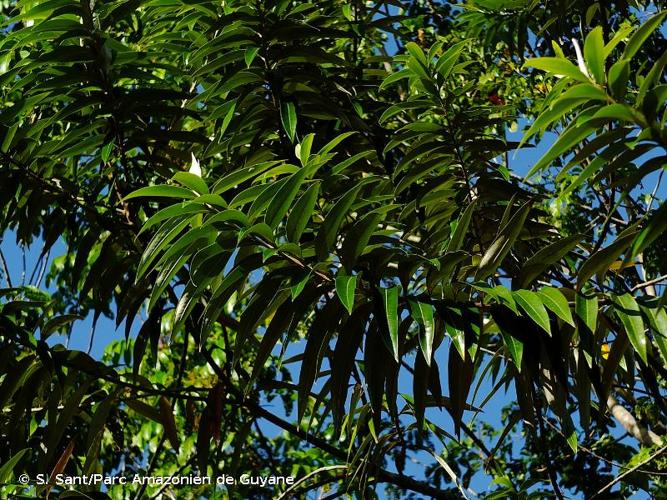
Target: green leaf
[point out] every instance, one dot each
(599, 262)
(458, 236)
(329, 146)
(423, 313)
(395, 77)
(515, 348)
(619, 74)
(417, 52)
(420, 379)
(345, 287)
(167, 232)
(161, 191)
(642, 34)
(449, 58)
(7, 469)
(57, 322)
(390, 302)
(288, 117)
(556, 302)
(303, 149)
(501, 246)
(460, 372)
(531, 303)
(594, 54)
(249, 55)
(545, 258)
(655, 227)
(657, 317)
(301, 213)
(283, 199)
(571, 137)
(627, 310)
(191, 181)
(329, 231)
(557, 66)
(279, 323)
(356, 239)
(240, 176)
(586, 307)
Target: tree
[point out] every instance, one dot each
(315, 204)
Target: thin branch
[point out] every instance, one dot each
(8, 278)
(308, 476)
(649, 283)
(600, 457)
(383, 475)
(630, 471)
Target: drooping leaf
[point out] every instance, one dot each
(288, 117)
(594, 54)
(503, 243)
(599, 262)
(628, 312)
(283, 199)
(531, 303)
(390, 303)
(301, 213)
(345, 288)
(555, 301)
(423, 313)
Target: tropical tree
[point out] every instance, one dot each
(329, 265)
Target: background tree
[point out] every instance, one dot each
(314, 211)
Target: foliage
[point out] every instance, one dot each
(315, 205)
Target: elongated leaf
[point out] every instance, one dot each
(161, 191)
(532, 304)
(423, 313)
(319, 333)
(303, 149)
(657, 317)
(503, 243)
(586, 307)
(345, 288)
(168, 422)
(390, 302)
(192, 181)
(555, 301)
(7, 469)
(301, 213)
(557, 66)
(571, 137)
(656, 226)
(456, 241)
(594, 54)
(545, 258)
(599, 262)
(460, 374)
(642, 34)
(288, 117)
(329, 230)
(279, 323)
(420, 380)
(628, 312)
(283, 199)
(329, 146)
(357, 238)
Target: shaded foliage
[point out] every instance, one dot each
(316, 204)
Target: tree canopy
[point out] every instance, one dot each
(332, 234)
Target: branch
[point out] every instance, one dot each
(630, 471)
(383, 475)
(630, 424)
(285, 493)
